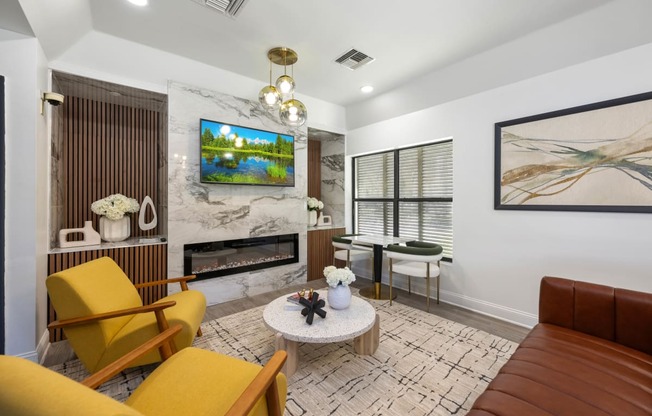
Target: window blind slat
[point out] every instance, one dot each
(424, 172)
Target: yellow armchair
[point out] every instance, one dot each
(104, 318)
(193, 382)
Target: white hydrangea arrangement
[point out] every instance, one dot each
(115, 206)
(335, 276)
(314, 204)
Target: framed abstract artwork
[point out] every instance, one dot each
(596, 157)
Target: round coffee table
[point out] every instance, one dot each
(358, 322)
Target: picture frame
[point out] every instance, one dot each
(595, 158)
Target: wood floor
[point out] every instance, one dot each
(60, 352)
(454, 313)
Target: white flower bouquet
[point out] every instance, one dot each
(314, 204)
(115, 206)
(335, 276)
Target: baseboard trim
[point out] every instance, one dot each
(31, 355)
(43, 346)
(504, 313)
(493, 310)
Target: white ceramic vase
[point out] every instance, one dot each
(339, 297)
(312, 218)
(115, 230)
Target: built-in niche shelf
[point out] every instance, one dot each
(106, 139)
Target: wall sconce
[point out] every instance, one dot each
(292, 112)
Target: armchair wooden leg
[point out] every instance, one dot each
(409, 285)
(199, 334)
(438, 289)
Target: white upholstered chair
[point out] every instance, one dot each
(415, 258)
(346, 252)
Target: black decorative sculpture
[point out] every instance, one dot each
(312, 306)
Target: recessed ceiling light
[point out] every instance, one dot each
(138, 2)
(367, 89)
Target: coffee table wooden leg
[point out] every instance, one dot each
(367, 343)
(292, 362)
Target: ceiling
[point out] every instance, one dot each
(407, 39)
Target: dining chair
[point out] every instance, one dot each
(415, 258)
(347, 253)
(103, 316)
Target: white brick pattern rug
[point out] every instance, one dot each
(425, 365)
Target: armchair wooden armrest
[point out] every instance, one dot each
(125, 361)
(156, 308)
(264, 383)
(166, 350)
(183, 281)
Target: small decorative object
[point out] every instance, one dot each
(313, 306)
(114, 226)
(313, 205)
(147, 201)
(91, 237)
(323, 219)
(339, 292)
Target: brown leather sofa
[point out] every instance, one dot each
(590, 354)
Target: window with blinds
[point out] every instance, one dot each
(407, 193)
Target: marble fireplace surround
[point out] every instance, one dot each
(200, 212)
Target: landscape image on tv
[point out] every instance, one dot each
(244, 156)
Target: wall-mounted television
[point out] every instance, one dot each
(240, 155)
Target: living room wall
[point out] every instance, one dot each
(22, 62)
(500, 256)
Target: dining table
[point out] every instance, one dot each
(378, 243)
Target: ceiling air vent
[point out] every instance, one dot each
(354, 59)
(227, 7)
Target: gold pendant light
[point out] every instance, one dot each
(292, 112)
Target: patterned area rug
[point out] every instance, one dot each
(425, 365)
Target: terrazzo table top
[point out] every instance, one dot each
(339, 325)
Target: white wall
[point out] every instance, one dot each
(21, 62)
(500, 256)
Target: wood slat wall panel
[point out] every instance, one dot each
(314, 169)
(320, 251)
(141, 264)
(108, 149)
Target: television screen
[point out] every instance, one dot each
(244, 156)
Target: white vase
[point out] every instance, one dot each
(312, 218)
(115, 230)
(339, 297)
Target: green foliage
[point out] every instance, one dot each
(276, 171)
(238, 177)
(280, 148)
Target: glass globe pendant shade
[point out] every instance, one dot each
(285, 84)
(269, 97)
(293, 113)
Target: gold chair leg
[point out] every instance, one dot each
(428, 286)
(390, 281)
(438, 276)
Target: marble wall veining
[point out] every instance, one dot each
(332, 176)
(200, 212)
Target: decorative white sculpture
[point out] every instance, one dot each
(141, 217)
(91, 237)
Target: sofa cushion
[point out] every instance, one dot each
(557, 370)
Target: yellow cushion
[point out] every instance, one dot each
(209, 384)
(27, 388)
(94, 287)
(189, 312)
